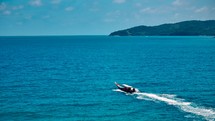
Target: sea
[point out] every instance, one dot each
(71, 78)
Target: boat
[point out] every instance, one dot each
(126, 88)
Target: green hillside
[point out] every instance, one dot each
(186, 28)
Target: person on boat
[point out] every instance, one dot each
(134, 90)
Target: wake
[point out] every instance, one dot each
(189, 107)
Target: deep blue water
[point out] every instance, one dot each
(69, 78)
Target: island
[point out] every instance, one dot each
(185, 28)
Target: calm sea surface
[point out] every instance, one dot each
(71, 78)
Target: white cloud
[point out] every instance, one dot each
(7, 12)
(28, 17)
(36, 3)
(119, 1)
(3, 6)
(70, 8)
(200, 10)
(138, 5)
(176, 16)
(177, 3)
(147, 10)
(56, 1)
(18, 7)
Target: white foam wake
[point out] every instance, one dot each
(161, 98)
(208, 114)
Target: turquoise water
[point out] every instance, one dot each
(71, 78)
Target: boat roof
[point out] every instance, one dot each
(125, 85)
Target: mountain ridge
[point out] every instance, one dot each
(184, 28)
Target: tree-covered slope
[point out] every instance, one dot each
(186, 28)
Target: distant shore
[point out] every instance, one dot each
(185, 28)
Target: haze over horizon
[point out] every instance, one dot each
(95, 17)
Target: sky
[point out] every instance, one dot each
(95, 17)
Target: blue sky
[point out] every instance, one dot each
(95, 17)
